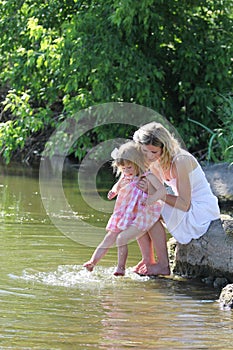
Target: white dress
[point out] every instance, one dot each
(185, 226)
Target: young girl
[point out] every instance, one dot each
(133, 209)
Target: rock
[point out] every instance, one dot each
(220, 177)
(226, 297)
(228, 225)
(210, 256)
(220, 282)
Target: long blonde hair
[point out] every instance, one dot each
(156, 134)
(129, 152)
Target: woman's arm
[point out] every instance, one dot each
(159, 191)
(182, 166)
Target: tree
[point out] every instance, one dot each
(60, 57)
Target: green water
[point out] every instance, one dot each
(49, 301)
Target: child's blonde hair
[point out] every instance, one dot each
(156, 134)
(129, 152)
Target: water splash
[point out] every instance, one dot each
(77, 276)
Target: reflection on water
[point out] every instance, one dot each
(49, 301)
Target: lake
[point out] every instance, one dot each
(49, 301)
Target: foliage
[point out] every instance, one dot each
(220, 145)
(59, 57)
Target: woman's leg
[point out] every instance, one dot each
(147, 251)
(101, 250)
(158, 237)
(144, 241)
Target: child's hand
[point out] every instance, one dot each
(111, 195)
(147, 201)
(150, 200)
(143, 202)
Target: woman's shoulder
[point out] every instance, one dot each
(185, 159)
(182, 156)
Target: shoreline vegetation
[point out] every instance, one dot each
(57, 58)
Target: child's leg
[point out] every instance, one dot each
(129, 234)
(123, 238)
(122, 257)
(101, 250)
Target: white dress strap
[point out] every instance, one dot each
(182, 153)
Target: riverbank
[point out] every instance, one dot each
(210, 258)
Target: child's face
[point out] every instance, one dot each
(128, 169)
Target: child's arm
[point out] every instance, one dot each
(111, 194)
(116, 188)
(114, 191)
(156, 189)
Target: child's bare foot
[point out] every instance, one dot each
(155, 269)
(89, 265)
(120, 271)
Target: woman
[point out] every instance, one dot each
(188, 212)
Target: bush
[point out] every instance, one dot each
(174, 57)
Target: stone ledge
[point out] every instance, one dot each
(209, 257)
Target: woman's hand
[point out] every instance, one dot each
(143, 184)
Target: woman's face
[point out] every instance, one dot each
(152, 153)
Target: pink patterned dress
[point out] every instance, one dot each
(130, 209)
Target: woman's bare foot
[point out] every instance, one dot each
(137, 267)
(155, 269)
(89, 265)
(141, 267)
(120, 271)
